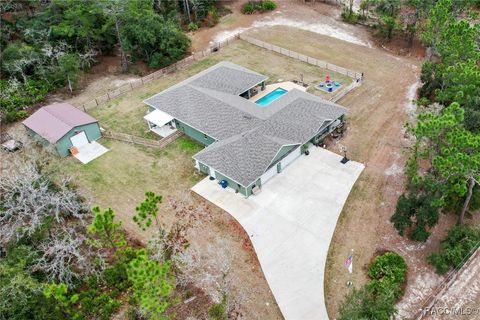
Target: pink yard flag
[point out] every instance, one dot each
(349, 263)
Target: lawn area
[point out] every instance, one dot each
(120, 178)
(125, 114)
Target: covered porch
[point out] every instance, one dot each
(253, 90)
(160, 123)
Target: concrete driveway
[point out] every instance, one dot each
(291, 223)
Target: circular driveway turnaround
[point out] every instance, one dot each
(291, 223)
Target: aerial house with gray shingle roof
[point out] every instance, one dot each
(246, 144)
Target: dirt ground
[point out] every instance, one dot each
(289, 12)
(462, 298)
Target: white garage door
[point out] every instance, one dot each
(80, 139)
(268, 174)
(291, 157)
(284, 163)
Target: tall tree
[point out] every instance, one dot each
(440, 18)
(147, 212)
(80, 23)
(152, 284)
(106, 229)
(458, 166)
(69, 65)
(452, 169)
(116, 12)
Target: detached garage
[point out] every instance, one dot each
(63, 126)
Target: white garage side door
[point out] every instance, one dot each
(211, 172)
(80, 139)
(291, 157)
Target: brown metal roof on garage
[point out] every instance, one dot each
(52, 122)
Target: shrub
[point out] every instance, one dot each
(212, 17)
(459, 244)
(12, 116)
(266, 5)
(350, 17)
(15, 95)
(248, 8)
(472, 120)
(98, 305)
(387, 25)
(218, 311)
(116, 276)
(251, 6)
(364, 304)
(192, 26)
(388, 273)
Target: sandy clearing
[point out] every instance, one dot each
(318, 27)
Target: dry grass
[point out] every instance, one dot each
(120, 178)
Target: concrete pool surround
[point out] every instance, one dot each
(285, 85)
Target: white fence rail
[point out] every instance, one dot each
(295, 55)
(113, 93)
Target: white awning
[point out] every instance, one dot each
(158, 118)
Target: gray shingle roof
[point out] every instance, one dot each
(300, 116)
(243, 157)
(248, 136)
(229, 80)
(204, 112)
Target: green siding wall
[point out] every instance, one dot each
(194, 133)
(32, 134)
(92, 131)
(203, 168)
(232, 184)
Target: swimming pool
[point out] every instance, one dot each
(270, 97)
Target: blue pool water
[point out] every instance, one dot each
(272, 96)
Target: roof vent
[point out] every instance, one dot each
(246, 116)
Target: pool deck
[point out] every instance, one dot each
(287, 85)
